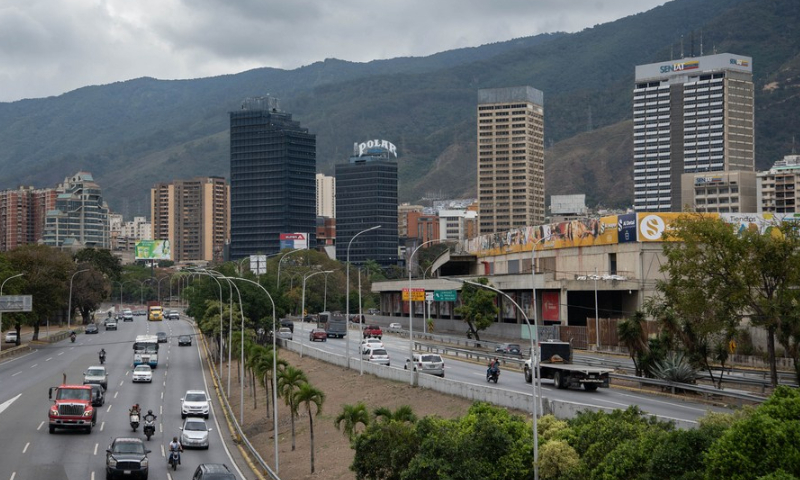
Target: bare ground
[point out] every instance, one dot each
(333, 455)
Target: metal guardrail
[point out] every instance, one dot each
(706, 391)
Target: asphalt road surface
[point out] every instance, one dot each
(30, 452)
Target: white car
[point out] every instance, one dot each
(426, 363)
(143, 373)
(377, 355)
(194, 404)
(394, 328)
(194, 433)
(285, 333)
(11, 337)
(371, 342)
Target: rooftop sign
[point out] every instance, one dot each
(364, 147)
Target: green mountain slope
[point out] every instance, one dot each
(135, 133)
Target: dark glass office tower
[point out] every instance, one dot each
(273, 168)
(366, 195)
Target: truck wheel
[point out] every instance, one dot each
(590, 387)
(89, 429)
(528, 376)
(52, 429)
(558, 380)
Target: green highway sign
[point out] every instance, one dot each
(444, 295)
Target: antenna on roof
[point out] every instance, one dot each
(691, 45)
(701, 42)
(681, 46)
(793, 150)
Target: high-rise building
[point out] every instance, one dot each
(273, 168)
(22, 215)
(366, 196)
(80, 216)
(326, 196)
(690, 116)
(779, 187)
(193, 215)
(403, 211)
(510, 158)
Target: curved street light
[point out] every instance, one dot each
(159, 287)
(281, 261)
(303, 304)
(69, 312)
(1, 294)
(411, 307)
(347, 298)
(274, 365)
(533, 356)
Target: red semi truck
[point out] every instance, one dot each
(72, 407)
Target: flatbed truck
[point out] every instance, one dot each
(556, 364)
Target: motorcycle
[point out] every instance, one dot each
(102, 358)
(174, 458)
(72, 337)
(149, 427)
(134, 421)
(492, 375)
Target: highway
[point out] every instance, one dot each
(463, 371)
(30, 452)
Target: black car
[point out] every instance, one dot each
(512, 349)
(98, 394)
(185, 340)
(127, 456)
(162, 337)
(213, 471)
(91, 328)
(285, 322)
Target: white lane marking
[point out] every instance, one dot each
(169, 477)
(8, 402)
(165, 383)
(160, 428)
(115, 395)
(161, 409)
(92, 478)
(26, 447)
(95, 448)
(102, 426)
(35, 365)
(16, 374)
(162, 395)
(13, 474)
(109, 407)
(40, 426)
(49, 359)
(120, 384)
(61, 353)
(162, 451)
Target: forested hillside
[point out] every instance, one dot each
(135, 133)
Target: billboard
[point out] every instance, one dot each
(153, 250)
(295, 241)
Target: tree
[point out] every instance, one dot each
(350, 417)
(101, 260)
(89, 289)
(310, 396)
(47, 273)
(404, 413)
(290, 379)
(632, 334)
(384, 450)
(478, 309)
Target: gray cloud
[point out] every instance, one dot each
(48, 47)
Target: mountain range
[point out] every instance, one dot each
(132, 134)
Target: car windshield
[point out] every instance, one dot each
(195, 426)
(142, 368)
(161, 334)
(74, 394)
(184, 337)
(95, 372)
(513, 346)
(128, 447)
(196, 397)
(431, 358)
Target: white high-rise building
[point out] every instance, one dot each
(326, 196)
(690, 116)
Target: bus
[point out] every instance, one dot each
(334, 324)
(145, 350)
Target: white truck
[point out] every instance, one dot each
(556, 364)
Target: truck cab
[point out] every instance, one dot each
(72, 408)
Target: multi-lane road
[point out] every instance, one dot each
(468, 372)
(28, 451)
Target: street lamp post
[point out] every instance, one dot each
(303, 304)
(69, 311)
(141, 290)
(274, 367)
(534, 354)
(221, 338)
(533, 383)
(159, 288)
(1, 294)
(347, 298)
(411, 307)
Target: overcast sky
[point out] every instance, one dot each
(48, 47)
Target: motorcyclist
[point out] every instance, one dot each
(150, 417)
(135, 410)
(102, 354)
(175, 445)
(494, 367)
(72, 335)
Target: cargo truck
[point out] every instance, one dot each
(155, 313)
(556, 364)
(72, 408)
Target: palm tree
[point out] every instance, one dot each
(633, 335)
(308, 395)
(404, 413)
(351, 416)
(291, 379)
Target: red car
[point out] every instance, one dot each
(318, 334)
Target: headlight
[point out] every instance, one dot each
(112, 462)
(87, 412)
(144, 463)
(54, 411)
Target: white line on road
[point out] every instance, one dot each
(92, 478)
(8, 402)
(161, 409)
(49, 359)
(115, 394)
(160, 428)
(40, 426)
(16, 374)
(102, 426)
(162, 395)
(61, 353)
(169, 477)
(165, 383)
(35, 365)
(13, 474)
(26, 447)
(109, 407)
(95, 448)
(162, 451)
(120, 383)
